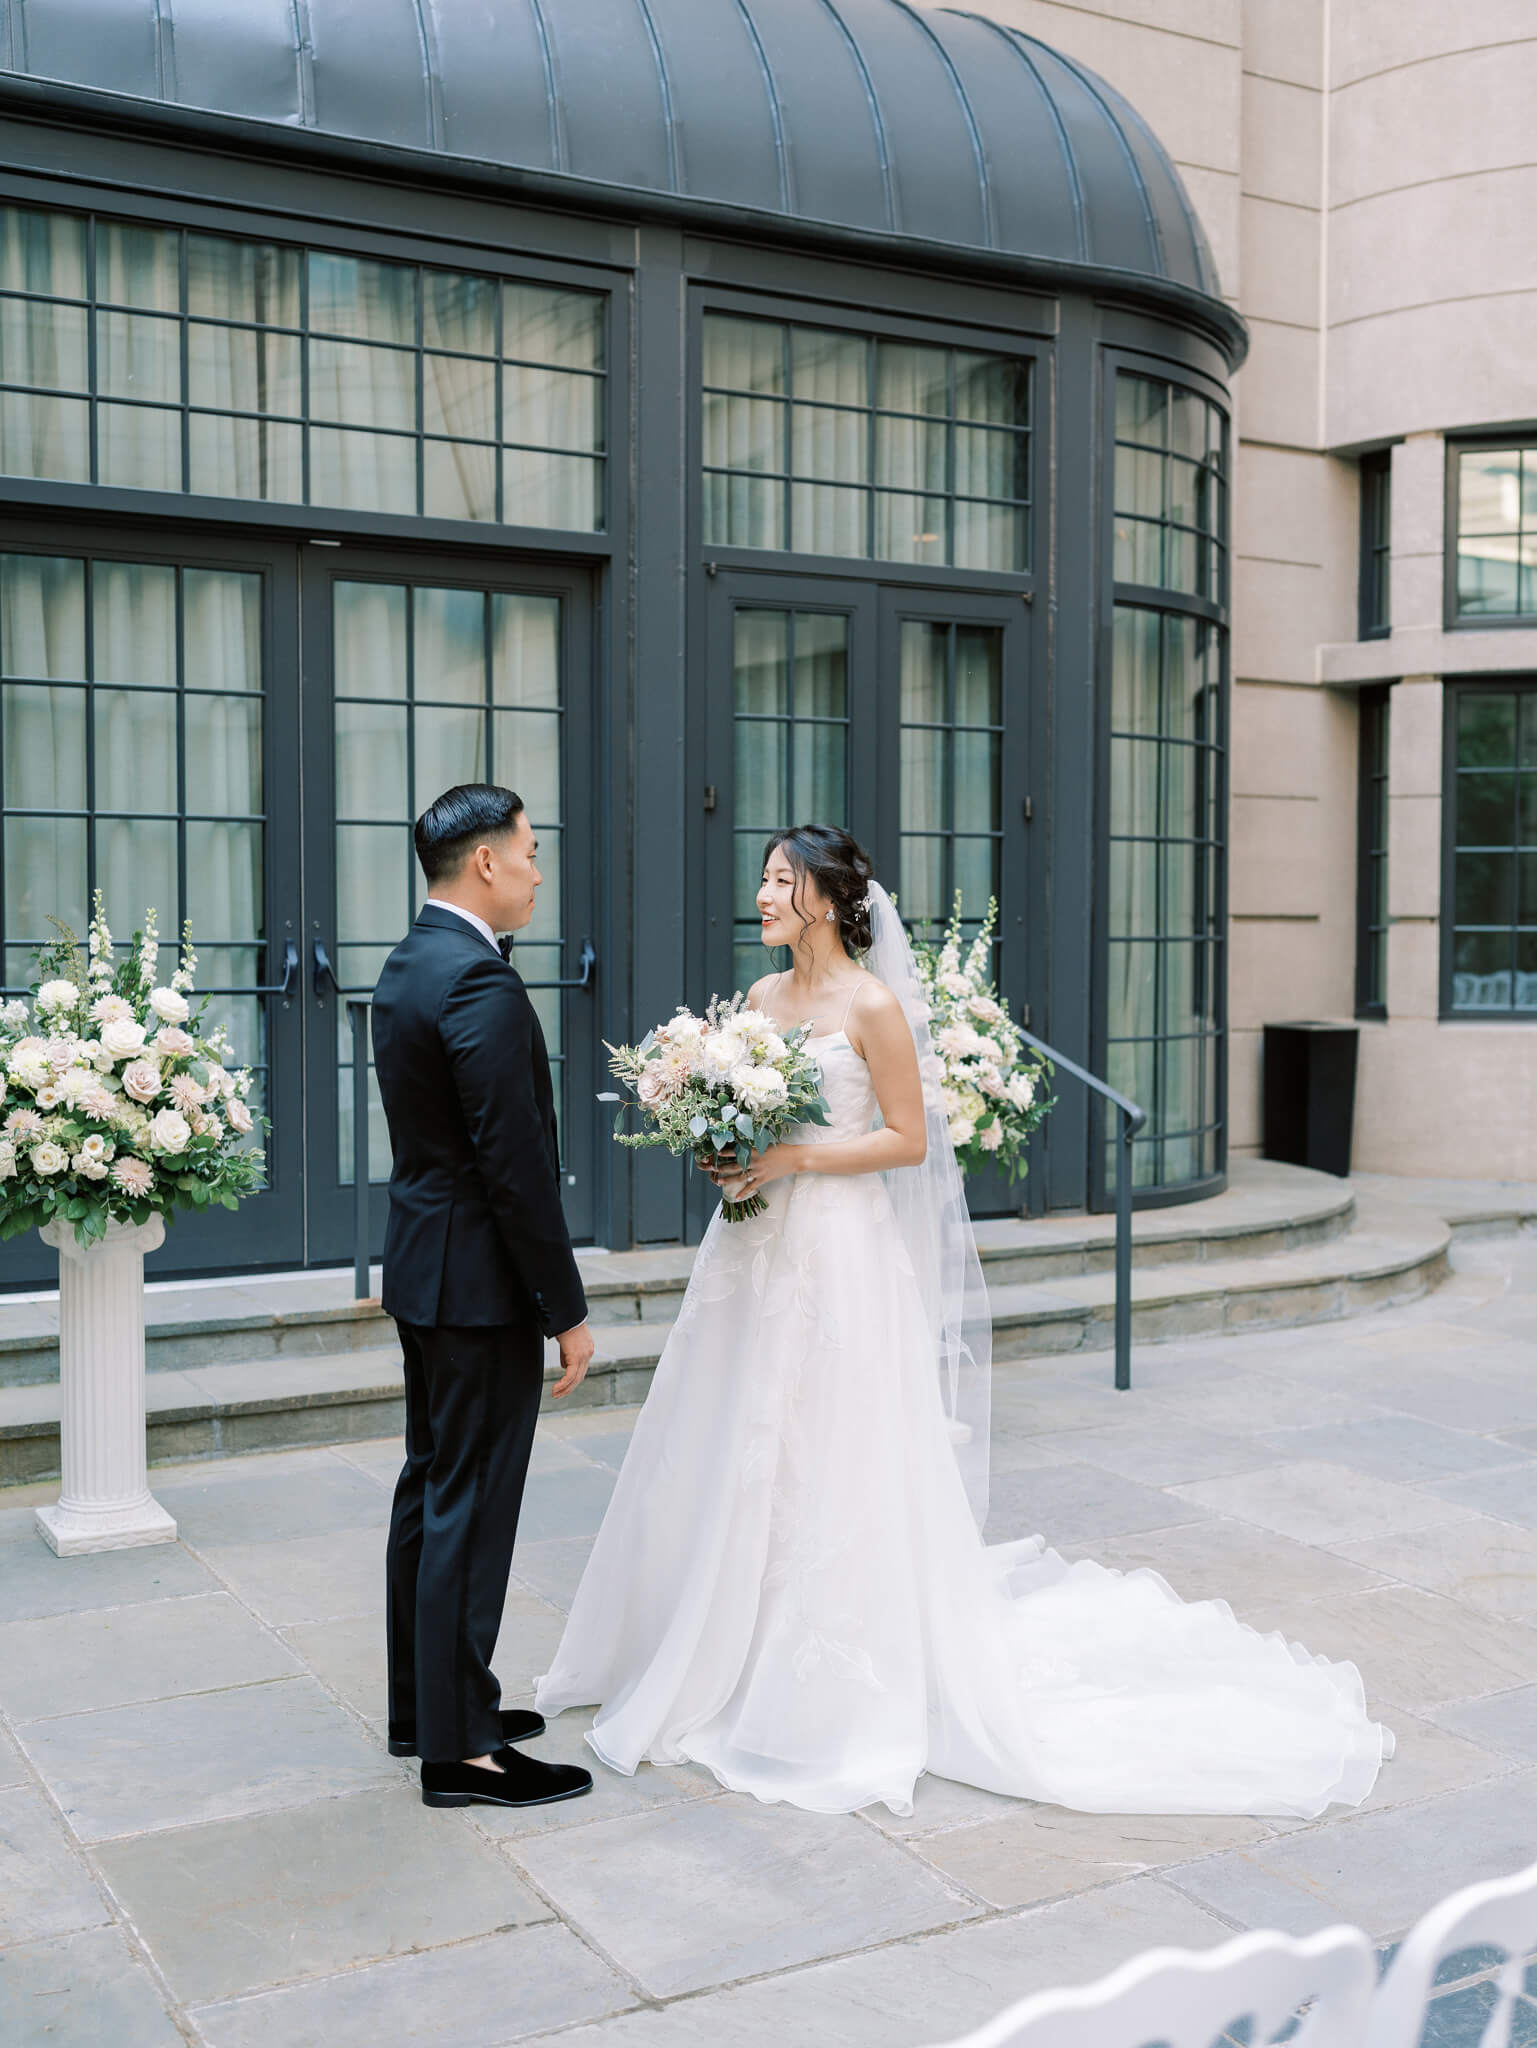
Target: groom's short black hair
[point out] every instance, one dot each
(464, 817)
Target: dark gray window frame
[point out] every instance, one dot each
(1372, 793)
(1374, 585)
(1521, 434)
(1453, 689)
(1169, 369)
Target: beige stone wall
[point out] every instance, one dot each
(1367, 176)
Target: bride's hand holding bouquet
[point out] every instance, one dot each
(724, 1089)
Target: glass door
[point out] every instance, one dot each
(148, 706)
(420, 676)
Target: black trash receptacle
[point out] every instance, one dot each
(1310, 1094)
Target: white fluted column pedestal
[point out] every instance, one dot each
(104, 1500)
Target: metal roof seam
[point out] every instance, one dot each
(1205, 262)
(979, 151)
(304, 61)
(776, 113)
(165, 51)
(551, 95)
(669, 116)
(877, 119)
(432, 73)
(1075, 183)
(1091, 85)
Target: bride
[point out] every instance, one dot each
(790, 1586)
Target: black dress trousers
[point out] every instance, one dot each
(472, 1399)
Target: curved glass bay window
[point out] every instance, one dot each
(1166, 972)
(164, 360)
(818, 441)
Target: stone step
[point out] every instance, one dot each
(1268, 1208)
(1393, 1254)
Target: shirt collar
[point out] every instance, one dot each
(469, 917)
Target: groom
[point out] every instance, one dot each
(478, 1270)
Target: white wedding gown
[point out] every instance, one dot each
(789, 1587)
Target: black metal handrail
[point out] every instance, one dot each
(1132, 1118)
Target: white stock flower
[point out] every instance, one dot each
(57, 995)
(992, 1137)
(141, 1080)
(240, 1117)
(962, 1131)
(122, 1038)
(15, 1015)
(111, 1010)
(721, 1051)
(91, 1169)
(169, 1131)
(954, 983)
(48, 1158)
(170, 1005)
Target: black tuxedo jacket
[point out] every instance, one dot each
(476, 1235)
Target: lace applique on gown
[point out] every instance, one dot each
(789, 1587)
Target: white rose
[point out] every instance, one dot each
(50, 1095)
(95, 1147)
(141, 1080)
(49, 1158)
(122, 1038)
(684, 1029)
(758, 1088)
(722, 1051)
(1021, 1090)
(170, 1005)
(92, 1169)
(240, 1117)
(57, 995)
(28, 1066)
(985, 1008)
(992, 1137)
(174, 1044)
(962, 1131)
(169, 1131)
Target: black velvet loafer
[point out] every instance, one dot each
(519, 1724)
(521, 1781)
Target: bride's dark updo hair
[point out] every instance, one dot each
(841, 869)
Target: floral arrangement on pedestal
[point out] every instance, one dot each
(995, 1090)
(722, 1086)
(116, 1104)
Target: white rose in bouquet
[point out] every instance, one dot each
(28, 1065)
(721, 1052)
(141, 1080)
(122, 1037)
(172, 1043)
(95, 1147)
(240, 1117)
(170, 1005)
(48, 1159)
(50, 1095)
(1021, 1089)
(92, 1169)
(759, 1088)
(169, 1131)
(962, 1131)
(992, 1137)
(57, 995)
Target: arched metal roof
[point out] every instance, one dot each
(880, 118)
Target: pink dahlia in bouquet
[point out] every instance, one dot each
(718, 1088)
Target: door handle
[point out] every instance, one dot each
(323, 970)
(290, 971)
(586, 960)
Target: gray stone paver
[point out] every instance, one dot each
(202, 1838)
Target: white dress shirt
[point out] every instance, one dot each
(469, 917)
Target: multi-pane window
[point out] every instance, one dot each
(131, 741)
(434, 687)
(1372, 855)
(790, 695)
(1376, 543)
(1166, 846)
(951, 803)
(823, 442)
(1493, 829)
(160, 359)
(1170, 488)
(1496, 490)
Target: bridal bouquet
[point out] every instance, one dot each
(724, 1084)
(995, 1092)
(115, 1101)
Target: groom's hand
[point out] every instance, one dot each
(576, 1349)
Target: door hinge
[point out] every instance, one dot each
(1029, 810)
(1025, 1017)
(709, 796)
